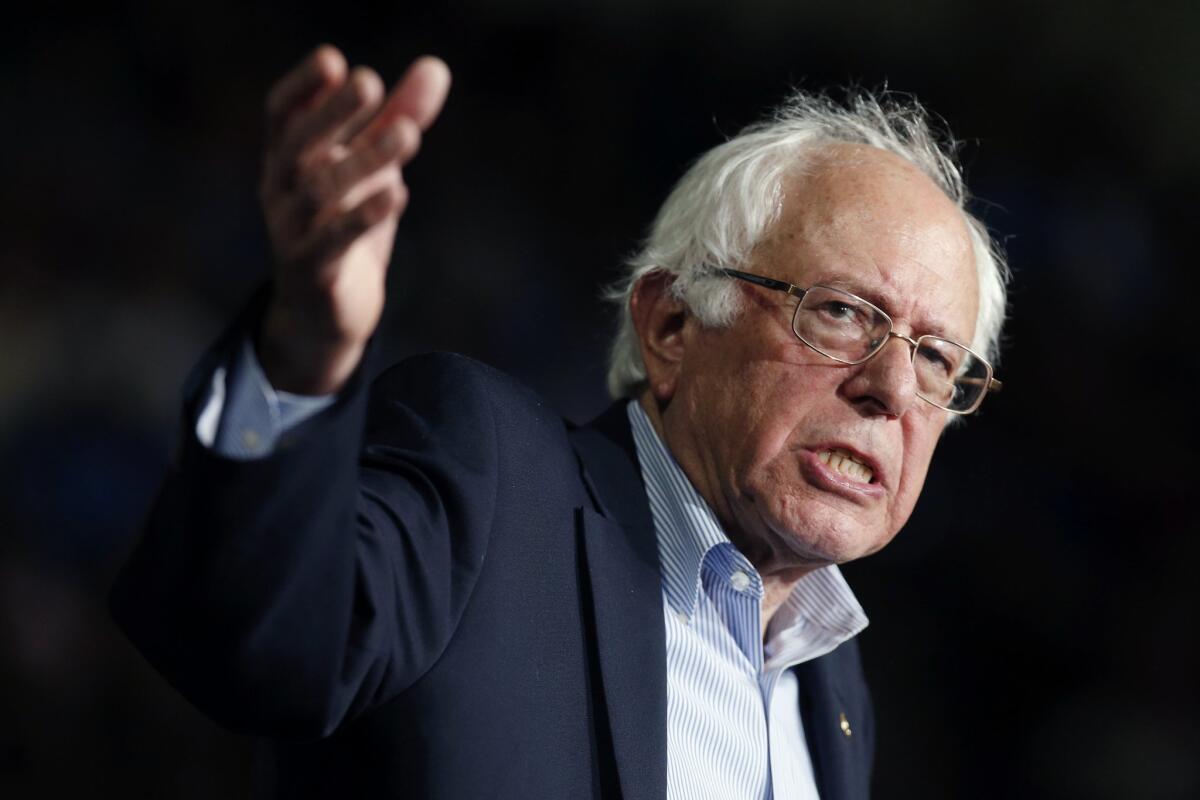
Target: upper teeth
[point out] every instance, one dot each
(847, 464)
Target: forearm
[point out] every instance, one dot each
(270, 586)
(241, 589)
(286, 594)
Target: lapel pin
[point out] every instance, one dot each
(844, 723)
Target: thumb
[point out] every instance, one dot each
(421, 93)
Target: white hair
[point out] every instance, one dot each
(728, 199)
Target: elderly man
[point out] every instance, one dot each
(441, 589)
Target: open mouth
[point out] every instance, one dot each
(847, 464)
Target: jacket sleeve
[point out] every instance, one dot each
(286, 594)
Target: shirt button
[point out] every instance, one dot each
(740, 580)
(250, 439)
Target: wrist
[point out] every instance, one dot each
(299, 360)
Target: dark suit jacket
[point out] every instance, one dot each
(437, 588)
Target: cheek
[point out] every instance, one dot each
(765, 423)
(918, 452)
(768, 456)
(765, 466)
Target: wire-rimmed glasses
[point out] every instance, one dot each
(850, 330)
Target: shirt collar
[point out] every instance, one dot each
(819, 614)
(685, 526)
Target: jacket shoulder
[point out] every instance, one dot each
(456, 395)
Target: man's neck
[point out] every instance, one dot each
(778, 583)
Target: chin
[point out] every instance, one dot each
(830, 537)
(808, 527)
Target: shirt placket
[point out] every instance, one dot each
(735, 589)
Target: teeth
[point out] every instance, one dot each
(846, 464)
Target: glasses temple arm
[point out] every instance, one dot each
(991, 384)
(768, 283)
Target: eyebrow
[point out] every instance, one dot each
(880, 302)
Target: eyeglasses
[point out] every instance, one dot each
(850, 330)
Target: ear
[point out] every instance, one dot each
(659, 318)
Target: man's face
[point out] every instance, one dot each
(753, 414)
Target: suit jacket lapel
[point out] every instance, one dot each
(622, 570)
(839, 753)
(621, 563)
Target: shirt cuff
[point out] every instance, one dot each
(243, 416)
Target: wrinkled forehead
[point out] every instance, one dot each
(839, 183)
(871, 222)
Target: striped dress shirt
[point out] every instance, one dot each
(733, 704)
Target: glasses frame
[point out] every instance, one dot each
(990, 383)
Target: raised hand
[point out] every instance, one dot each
(332, 192)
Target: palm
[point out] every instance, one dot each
(362, 271)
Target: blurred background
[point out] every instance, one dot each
(1034, 629)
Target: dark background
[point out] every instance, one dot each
(1033, 630)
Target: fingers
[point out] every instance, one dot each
(348, 108)
(309, 82)
(338, 145)
(420, 94)
(416, 101)
(326, 184)
(317, 107)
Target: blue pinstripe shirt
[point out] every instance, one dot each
(733, 708)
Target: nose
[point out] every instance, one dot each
(886, 384)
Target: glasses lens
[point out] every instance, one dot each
(839, 325)
(949, 375)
